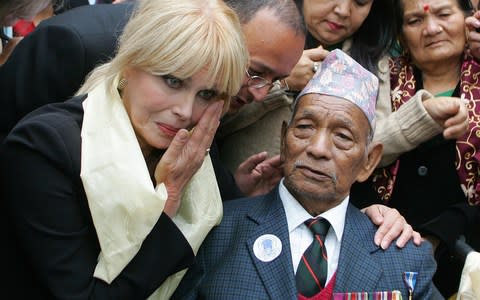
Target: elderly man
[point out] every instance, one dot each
(304, 240)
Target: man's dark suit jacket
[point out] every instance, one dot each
(50, 246)
(227, 267)
(50, 64)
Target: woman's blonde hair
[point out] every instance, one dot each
(179, 37)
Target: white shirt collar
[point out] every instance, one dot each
(297, 215)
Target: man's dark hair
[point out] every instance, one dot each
(286, 10)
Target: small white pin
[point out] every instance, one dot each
(267, 247)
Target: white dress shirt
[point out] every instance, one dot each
(301, 237)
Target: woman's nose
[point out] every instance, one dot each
(342, 7)
(432, 27)
(184, 108)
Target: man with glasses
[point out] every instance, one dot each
(259, 82)
(273, 54)
(274, 31)
(273, 37)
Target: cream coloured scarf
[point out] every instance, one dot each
(123, 202)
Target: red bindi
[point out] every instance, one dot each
(426, 7)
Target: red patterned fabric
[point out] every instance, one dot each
(325, 294)
(467, 159)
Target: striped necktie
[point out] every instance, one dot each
(312, 269)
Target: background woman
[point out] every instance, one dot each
(435, 186)
(108, 195)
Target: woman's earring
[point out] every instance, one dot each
(122, 84)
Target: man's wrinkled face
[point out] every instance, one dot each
(324, 149)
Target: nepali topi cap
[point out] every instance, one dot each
(341, 76)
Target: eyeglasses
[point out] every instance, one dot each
(259, 82)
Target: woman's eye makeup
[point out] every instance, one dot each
(172, 81)
(208, 94)
(176, 83)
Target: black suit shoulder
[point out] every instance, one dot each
(98, 27)
(51, 130)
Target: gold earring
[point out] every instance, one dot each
(122, 83)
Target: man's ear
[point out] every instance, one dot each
(375, 151)
(283, 137)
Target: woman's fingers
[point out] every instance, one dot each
(187, 150)
(202, 136)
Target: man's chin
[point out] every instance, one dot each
(311, 193)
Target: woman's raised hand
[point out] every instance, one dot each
(185, 156)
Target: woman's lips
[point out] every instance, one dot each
(168, 130)
(434, 43)
(334, 26)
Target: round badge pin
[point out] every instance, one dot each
(267, 247)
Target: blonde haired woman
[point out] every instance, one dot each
(109, 195)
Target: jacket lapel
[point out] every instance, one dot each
(357, 271)
(277, 275)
